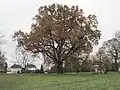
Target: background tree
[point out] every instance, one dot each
(100, 56)
(112, 47)
(107, 64)
(87, 66)
(72, 64)
(5, 67)
(59, 31)
(2, 61)
(23, 57)
(2, 41)
(103, 60)
(3, 64)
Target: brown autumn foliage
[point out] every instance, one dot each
(59, 31)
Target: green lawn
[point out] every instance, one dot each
(82, 81)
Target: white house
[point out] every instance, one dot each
(98, 69)
(16, 69)
(31, 67)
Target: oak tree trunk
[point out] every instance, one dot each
(116, 65)
(60, 68)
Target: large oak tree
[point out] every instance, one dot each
(59, 31)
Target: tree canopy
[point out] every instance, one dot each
(112, 48)
(59, 31)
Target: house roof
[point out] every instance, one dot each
(16, 66)
(30, 66)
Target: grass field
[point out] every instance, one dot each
(82, 81)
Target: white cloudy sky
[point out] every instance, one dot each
(17, 14)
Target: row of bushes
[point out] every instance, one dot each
(32, 71)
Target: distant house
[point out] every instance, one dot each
(99, 68)
(114, 67)
(31, 67)
(16, 69)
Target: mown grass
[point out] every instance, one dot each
(82, 81)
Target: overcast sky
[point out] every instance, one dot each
(17, 14)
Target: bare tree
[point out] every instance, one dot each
(2, 41)
(24, 58)
(112, 47)
(3, 64)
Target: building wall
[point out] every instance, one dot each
(119, 69)
(31, 69)
(16, 70)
